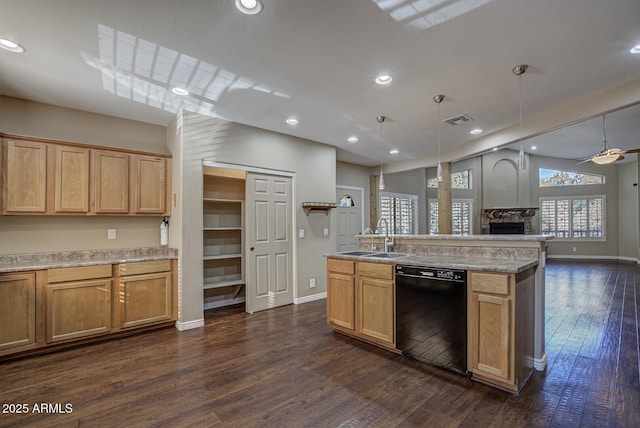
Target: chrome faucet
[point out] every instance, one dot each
(370, 231)
(387, 241)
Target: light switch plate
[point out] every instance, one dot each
(301, 233)
(326, 231)
(111, 234)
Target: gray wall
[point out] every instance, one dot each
(194, 138)
(628, 233)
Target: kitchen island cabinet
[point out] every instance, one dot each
(360, 300)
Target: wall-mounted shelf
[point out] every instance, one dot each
(318, 206)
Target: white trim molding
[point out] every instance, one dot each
(540, 364)
(574, 257)
(182, 326)
(307, 299)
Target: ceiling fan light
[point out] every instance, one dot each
(607, 159)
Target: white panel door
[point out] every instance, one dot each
(269, 242)
(348, 220)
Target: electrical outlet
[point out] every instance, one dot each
(111, 234)
(574, 249)
(312, 283)
(326, 232)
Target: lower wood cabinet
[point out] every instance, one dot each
(78, 302)
(500, 327)
(17, 312)
(146, 293)
(361, 300)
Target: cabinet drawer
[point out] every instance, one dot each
(375, 270)
(79, 273)
(494, 283)
(341, 266)
(139, 268)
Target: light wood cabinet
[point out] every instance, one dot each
(78, 302)
(71, 179)
(17, 312)
(341, 293)
(149, 184)
(376, 303)
(361, 299)
(146, 293)
(500, 327)
(110, 193)
(25, 177)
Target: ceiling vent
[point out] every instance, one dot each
(458, 120)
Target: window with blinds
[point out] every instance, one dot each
(461, 213)
(401, 213)
(577, 217)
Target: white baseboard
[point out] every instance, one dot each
(540, 364)
(307, 299)
(574, 257)
(221, 303)
(182, 326)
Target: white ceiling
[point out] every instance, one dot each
(317, 59)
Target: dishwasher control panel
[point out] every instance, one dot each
(454, 275)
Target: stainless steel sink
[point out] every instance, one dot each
(386, 255)
(357, 253)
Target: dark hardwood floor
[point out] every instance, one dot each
(285, 367)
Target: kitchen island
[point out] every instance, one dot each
(505, 296)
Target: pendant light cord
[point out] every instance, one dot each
(520, 95)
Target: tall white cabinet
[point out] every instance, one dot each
(223, 236)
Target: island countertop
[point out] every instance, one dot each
(481, 237)
(488, 264)
(53, 260)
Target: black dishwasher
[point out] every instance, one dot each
(431, 316)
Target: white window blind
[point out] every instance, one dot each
(400, 211)
(577, 217)
(461, 216)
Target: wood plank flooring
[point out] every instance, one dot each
(286, 368)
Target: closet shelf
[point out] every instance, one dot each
(318, 206)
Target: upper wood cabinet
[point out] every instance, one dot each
(25, 177)
(71, 179)
(149, 184)
(110, 182)
(51, 178)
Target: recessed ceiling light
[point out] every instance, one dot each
(635, 49)
(353, 139)
(475, 131)
(383, 79)
(11, 46)
(180, 91)
(394, 151)
(249, 7)
(534, 147)
(292, 121)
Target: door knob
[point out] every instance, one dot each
(252, 248)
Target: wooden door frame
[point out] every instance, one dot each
(280, 173)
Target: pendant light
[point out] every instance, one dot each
(519, 70)
(381, 119)
(438, 99)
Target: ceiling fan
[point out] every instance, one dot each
(608, 155)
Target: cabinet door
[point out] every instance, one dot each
(376, 308)
(26, 177)
(341, 300)
(71, 179)
(145, 299)
(110, 187)
(17, 310)
(78, 309)
(148, 184)
(490, 336)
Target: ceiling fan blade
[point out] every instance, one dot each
(630, 151)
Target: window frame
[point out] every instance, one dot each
(453, 201)
(571, 199)
(396, 195)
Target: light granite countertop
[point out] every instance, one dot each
(53, 260)
(449, 262)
